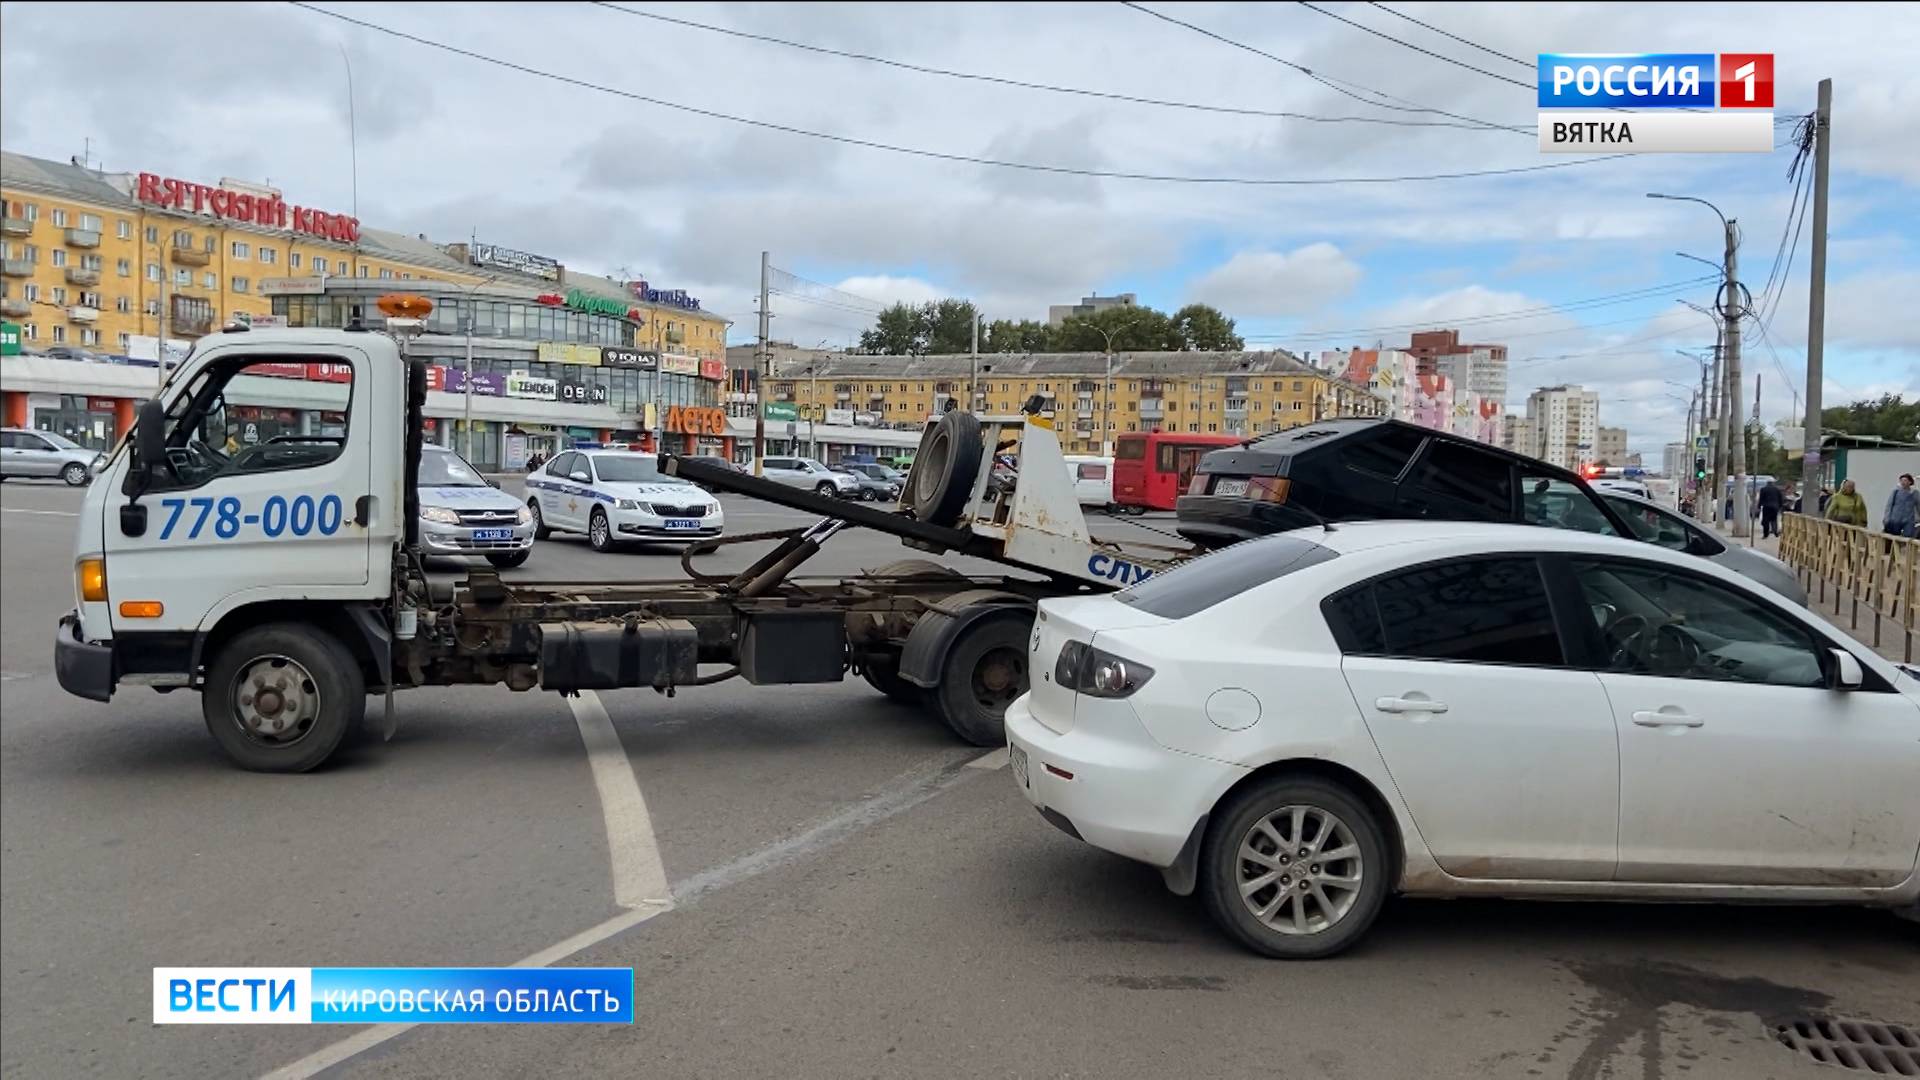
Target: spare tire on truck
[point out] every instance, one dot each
(944, 469)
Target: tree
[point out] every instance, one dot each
(1891, 417)
(948, 325)
(1130, 329)
(1006, 335)
(1204, 328)
(897, 331)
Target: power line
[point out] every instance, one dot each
(1415, 48)
(1022, 84)
(835, 305)
(790, 282)
(1455, 37)
(1338, 85)
(968, 159)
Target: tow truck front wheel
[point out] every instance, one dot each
(281, 697)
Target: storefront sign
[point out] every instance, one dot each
(9, 339)
(670, 297)
(715, 370)
(587, 303)
(485, 383)
(291, 286)
(843, 417)
(101, 404)
(779, 410)
(674, 364)
(557, 352)
(575, 392)
(522, 385)
(243, 206)
(696, 420)
(266, 322)
(518, 261)
(331, 373)
(866, 419)
(638, 359)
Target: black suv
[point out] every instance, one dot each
(1350, 470)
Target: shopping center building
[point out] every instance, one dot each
(101, 268)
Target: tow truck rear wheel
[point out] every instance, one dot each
(281, 697)
(984, 671)
(884, 676)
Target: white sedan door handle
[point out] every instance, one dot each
(1409, 705)
(1645, 718)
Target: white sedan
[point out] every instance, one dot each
(618, 495)
(1301, 724)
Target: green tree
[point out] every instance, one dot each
(1891, 417)
(1204, 328)
(900, 330)
(948, 325)
(1130, 329)
(1026, 335)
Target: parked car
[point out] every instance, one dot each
(877, 482)
(1657, 524)
(461, 513)
(1300, 725)
(1370, 469)
(616, 495)
(807, 473)
(42, 453)
(1093, 483)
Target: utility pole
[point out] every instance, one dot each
(973, 361)
(160, 355)
(1810, 464)
(764, 364)
(1733, 422)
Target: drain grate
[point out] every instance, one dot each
(1885, 1049)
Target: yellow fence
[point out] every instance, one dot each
(1874, 570)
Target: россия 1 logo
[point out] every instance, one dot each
(1694, 102)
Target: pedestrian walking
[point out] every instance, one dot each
(1826, 495)
(1847, 506)
(1770, 501)
(1903, 508)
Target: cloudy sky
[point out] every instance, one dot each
(450, 145)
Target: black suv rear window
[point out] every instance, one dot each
(1198, 585)
(1384, 454)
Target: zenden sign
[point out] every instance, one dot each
(1705, 102)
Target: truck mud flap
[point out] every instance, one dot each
(933, 635)
(613, 656)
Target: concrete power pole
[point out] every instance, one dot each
(973, 364)
(1810, 464)
(1732, 421)
(762, 363)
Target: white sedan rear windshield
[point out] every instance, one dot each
(1196, 586)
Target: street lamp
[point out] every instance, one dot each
(1717, 268)
(1731, 420)
(1106, 392)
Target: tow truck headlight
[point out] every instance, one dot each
(525, 516)
(439, 515)
(627, 504)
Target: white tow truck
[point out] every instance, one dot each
(283, 578)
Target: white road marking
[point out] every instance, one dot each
(638, 875)
(48, 513)
(918, 788)
(992, 759)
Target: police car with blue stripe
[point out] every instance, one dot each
(617, 495)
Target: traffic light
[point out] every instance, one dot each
(1700, 468)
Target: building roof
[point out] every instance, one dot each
(1132, 365)
(60, 178)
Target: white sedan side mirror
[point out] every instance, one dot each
(1846, 671)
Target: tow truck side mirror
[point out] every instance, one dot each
(150, 437)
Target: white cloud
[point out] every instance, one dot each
(1262, 283)
(893, 290)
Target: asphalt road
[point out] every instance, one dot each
(849, 898)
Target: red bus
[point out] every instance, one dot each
(1151, 469)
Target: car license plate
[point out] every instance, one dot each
(493, 534)
(1230, 488)
(682, 523)
(1017, 758)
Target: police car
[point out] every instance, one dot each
(616, 495)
